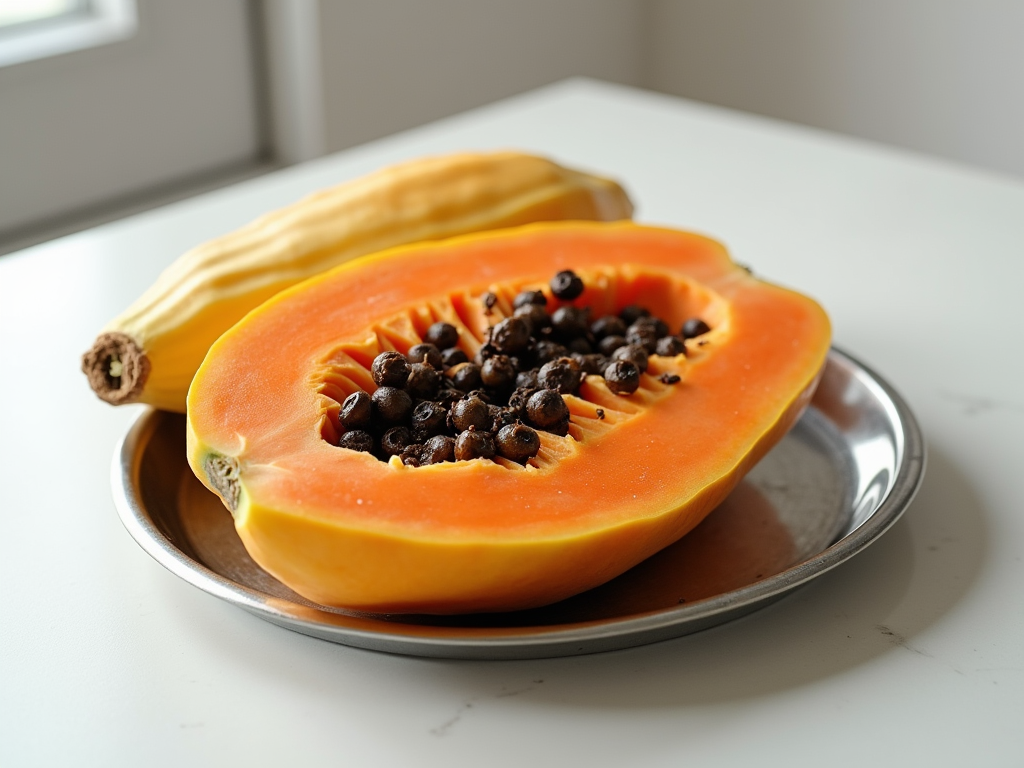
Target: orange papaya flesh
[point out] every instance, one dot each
(344, 529)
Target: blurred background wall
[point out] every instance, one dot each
(944, 77)
(203, 94)
(398, 63)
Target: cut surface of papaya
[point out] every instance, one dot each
(634, 473)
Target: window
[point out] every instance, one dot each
(97, 133)
(34, 29)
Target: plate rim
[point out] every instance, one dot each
(531, 642)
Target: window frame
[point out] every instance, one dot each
(95, 23)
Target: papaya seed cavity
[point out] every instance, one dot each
(513, 387)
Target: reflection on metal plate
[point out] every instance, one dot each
(834, 484)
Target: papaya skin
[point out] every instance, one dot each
(149, 353)
(344, 529)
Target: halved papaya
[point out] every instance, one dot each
(633, 475)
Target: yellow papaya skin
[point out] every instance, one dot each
(634, 474)
(150, 352)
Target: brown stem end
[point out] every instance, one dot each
(223, 474)
(116, 367)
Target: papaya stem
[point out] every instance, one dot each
(223, 474)
(116, 368)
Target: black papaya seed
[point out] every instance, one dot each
(517, 442)
(622, 377)
(390, 369)
(566, 285)
(442, 335)
(472, 444)
(357, 411)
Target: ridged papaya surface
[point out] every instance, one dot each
(343, 528)
(150, 352)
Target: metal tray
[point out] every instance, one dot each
(834, 484)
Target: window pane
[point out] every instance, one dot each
(20, 11)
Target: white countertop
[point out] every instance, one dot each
(912, 653)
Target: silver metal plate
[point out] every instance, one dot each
(834, 484)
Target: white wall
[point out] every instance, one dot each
(394, 64)
(944, 77)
